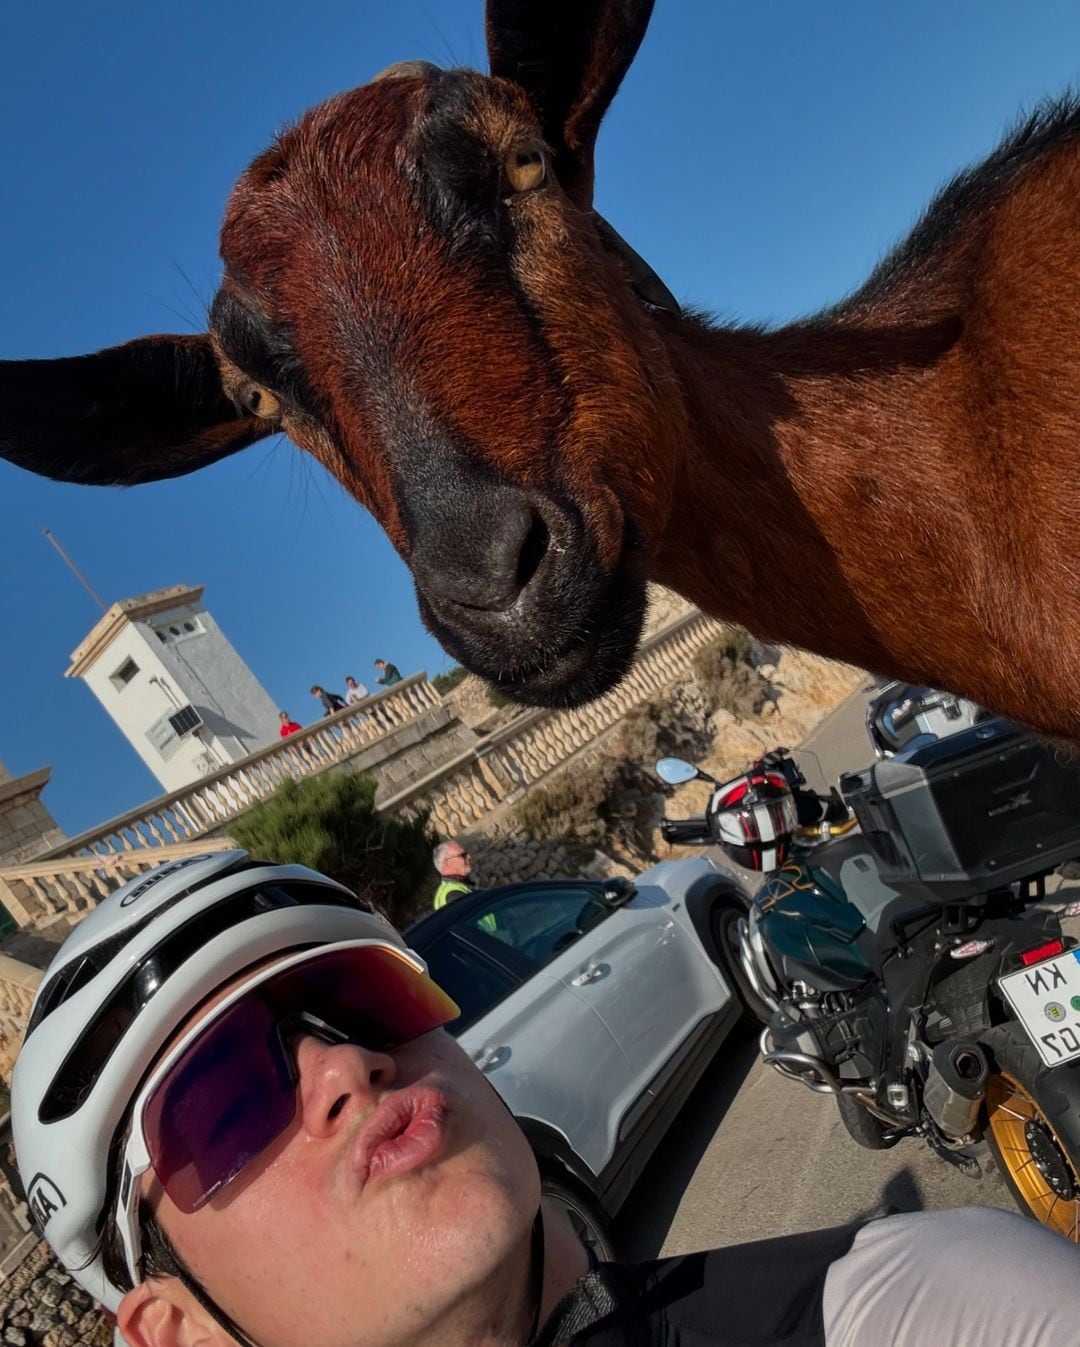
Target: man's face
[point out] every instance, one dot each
(457, 863)
(319, 1241)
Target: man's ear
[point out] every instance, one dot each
(149, 409)
(570, 57)
(162, 1312)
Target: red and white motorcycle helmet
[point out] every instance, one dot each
(754, 819)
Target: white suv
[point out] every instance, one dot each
(593, 1007)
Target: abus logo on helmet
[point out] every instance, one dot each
(164, 873)
(44, 1198)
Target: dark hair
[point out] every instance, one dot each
(316, 689)
(380, 661)
(159, 1258)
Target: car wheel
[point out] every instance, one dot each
(725, 929)
(584, 1212)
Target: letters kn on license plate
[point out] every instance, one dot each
(1046, 998)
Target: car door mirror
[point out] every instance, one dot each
(618, 891)
(676, 771)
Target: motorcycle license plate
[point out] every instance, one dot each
(1046, 998)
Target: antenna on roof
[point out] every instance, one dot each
(76, 572)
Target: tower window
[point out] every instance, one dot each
(123, 676)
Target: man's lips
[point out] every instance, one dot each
(404, 1132)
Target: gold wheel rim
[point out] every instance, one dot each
(1010, 1109)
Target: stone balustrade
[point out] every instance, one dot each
(53, 895)
(57, 888)
(500, 769)
(211, 802)
(18, 983)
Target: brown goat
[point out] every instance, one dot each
(417, 290)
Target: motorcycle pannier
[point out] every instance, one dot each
(981, 808)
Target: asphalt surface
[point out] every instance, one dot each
(753, 1155)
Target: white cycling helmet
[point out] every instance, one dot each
(123, 982)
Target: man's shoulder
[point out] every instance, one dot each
(769, 1292)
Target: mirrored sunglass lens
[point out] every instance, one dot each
(373, 995)
(232, 1093)
(223, 1103)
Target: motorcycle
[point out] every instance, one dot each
(900, 949)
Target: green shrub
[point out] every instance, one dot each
(329, 822)
(610, 803)
(730, 681)
(446, 682)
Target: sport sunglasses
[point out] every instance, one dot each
(227, 1089)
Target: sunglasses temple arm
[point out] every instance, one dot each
(136, 1163)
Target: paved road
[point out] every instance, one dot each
(754, 1155)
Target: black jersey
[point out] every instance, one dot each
(971, 1277)
(767, 1292)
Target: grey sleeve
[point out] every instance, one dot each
(974, 1277)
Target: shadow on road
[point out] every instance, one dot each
(644, 1221)
(901, 1192)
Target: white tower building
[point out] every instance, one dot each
(164, 670)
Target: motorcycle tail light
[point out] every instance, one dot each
(970, 948)
(1073, 910)
(1041, 952)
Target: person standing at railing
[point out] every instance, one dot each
(354, 691)
(288, 725)
(331, 701)
(390, 674)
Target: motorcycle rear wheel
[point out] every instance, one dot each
(870, 1132)
(1041, 1174)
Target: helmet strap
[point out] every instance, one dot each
(536, 1273)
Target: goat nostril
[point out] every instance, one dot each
(533, 550)
(336, 1107)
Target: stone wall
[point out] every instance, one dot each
(419, 748)
(42, 1306)
(508, 860)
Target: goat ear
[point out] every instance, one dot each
(570, 57)
(149, 409)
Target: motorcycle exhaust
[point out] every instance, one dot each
(955, 1087)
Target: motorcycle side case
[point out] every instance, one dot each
(976, 810)
(810, 928)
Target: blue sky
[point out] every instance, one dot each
(761, 155)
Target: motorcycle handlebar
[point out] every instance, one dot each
(818, 832)
(681, 831)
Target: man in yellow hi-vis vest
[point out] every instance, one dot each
(454, 865)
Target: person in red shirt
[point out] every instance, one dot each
(288, 726)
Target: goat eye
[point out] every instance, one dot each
(259, 401)
(526, 168)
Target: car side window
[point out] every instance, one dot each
(539, 923)
(476, 982)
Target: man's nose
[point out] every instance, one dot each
(337, 1079)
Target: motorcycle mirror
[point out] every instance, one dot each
(676, 771)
